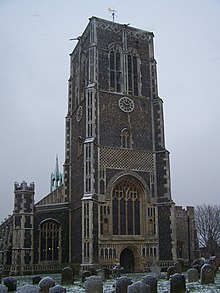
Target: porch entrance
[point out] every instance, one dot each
(127, 260)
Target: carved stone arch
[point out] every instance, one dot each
(133, 174)
(115, 45)
(126, 138)
(49, 219)
(128, 195)
(130, 256)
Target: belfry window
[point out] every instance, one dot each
(115, 70)
(49, 241)
(126, 208)
(132, 74)
(126, 140)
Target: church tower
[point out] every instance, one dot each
(116, 171)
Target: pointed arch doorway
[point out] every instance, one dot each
(127, 260)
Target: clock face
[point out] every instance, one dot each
(126, 104)
(79, 113)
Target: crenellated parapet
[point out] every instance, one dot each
(23, 186)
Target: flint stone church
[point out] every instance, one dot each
(112, 205)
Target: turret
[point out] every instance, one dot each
(23, 223)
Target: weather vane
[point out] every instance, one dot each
(112, 11)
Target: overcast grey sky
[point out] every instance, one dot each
(34, 69)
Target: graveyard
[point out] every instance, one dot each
(204, 276)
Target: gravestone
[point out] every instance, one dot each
(45, 284)
(3, 289)
(151, 280)
(177, 283)
(92, 271)
(156, 270)
(198, 268)
(178, 266)
(10, 283)
(107, 273)
(67, 277)
(198, 263)
(93, 284)
(122, 284)
(138, 287)
(193, 275)
(101, 274)
(85, 275)
(36, 280)
(214, 261)
(57, 289)
(207, 274)
(171, 271)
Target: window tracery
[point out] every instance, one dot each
(49, 238)
(132, 74)
(126, 208)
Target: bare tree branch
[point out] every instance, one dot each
(207, 219)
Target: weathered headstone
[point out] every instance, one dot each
(214, 261)
(107, 273)
(198, 263)
(85, 275)
(155, 269)
(151, 280)
(36, 280)
(101, 274)
(178, 266)
(193, 275)
(122, 284)
(10, 283)
(177, 283)
(67, 277)
(93, 284)
(57, 289)
(3, 289)
(45, 284)
(28, 289)
(92, 271)
(171, 271)
(198, 268)
(207, 274)
(139, 287)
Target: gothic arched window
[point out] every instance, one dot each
(132, 74)
(49, 241)
(126, 139)
(115, 70)
(126, 208)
